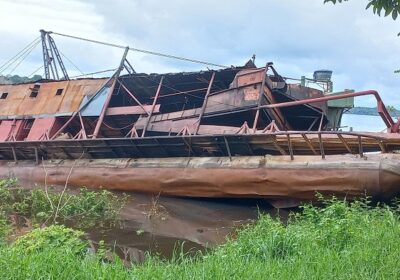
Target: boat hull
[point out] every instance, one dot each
(275, 178)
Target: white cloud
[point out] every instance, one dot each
(299, 36)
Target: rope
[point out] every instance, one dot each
(18, 55)
(94, 73)
(24, 57)
(142, 50)
(70, 61)
(116, 128)
(34, 72)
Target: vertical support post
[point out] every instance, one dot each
(45, 54)
(228, 149)
(14, 155)
(303, 81)
(153, 106)
(83, 126)
(360, 147)
(203, 108)
(36, 155)
(321, 145)
(290, 146)
(260, 98)
(107, 102)
(60, 62)
(320, 123)
(52, 59)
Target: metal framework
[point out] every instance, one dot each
(249, 109)
(288, 143)
(51, 58)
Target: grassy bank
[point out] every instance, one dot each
(336, 241)
(24, 208)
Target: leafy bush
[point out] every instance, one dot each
(53, 237)
(84, 209)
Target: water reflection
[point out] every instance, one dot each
(161, 225)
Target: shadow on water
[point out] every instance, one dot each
(162, 225)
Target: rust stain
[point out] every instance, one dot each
(20, 103)
(274, 178)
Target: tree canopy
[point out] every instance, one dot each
(16, 79)
(389, 7)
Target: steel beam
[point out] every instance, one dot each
(110, 93)
(133, 97)
(360, 147)
(153, 106)
(290, 146)
(309, 143)
(345, 143)
(321, 146)
(203, 108)
(228, 149)
(383, 112)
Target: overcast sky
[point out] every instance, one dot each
(298, 36)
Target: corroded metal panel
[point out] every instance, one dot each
(43, 129)
(269, 177)
(21, 102)
(12, 130)
(301, 92)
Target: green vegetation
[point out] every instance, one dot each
(389, 7)
(373, 111)
(45, 207)
(340, 240)
(16, 79)
(50, 238)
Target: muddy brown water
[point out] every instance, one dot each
(164, 225)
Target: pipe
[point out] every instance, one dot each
(383, 112)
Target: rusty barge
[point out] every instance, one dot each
(234, 132)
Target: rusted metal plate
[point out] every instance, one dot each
(130, 110)
(269, 177)
(13, 130)
(43, 129)
(205, 145)
(20, 102)
(248, 77)
(301, 92)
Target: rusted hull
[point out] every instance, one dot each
(271, 177)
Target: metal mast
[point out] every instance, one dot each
(51, 58)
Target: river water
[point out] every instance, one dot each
(162, 225)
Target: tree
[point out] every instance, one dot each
(16, 79)
(387, 6)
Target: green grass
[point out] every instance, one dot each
(336, 241)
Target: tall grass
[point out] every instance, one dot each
(336, 241)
